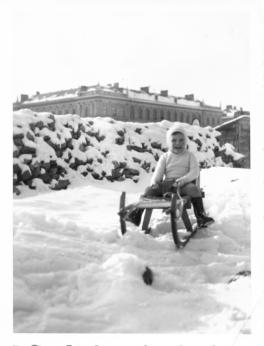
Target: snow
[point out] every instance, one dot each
(49, 134)
(166, 99)
(185, 102)
(74, 272)
(231, 121)
(229, 150)
(52, 97)
(140, 95)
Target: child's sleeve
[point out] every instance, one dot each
(194, 170)
(159, 170)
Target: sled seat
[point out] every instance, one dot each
(168, 205)
(172, 204)
(159, 202)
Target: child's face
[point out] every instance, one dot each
(177, 142)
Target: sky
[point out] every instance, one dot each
(180, 46)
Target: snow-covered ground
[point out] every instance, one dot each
(73, 272)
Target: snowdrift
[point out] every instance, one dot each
(50, 150)
(74, 273)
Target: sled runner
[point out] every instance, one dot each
(173, 204)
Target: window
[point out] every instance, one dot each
(124, 112)
(80, 109)
(175, 116)
(196, 121)
(104, 108)
(147, 114)
(108, 109)
(161, 114)
(155, 115)
(181, 116)
(169, 115)
(92, 109)
(140, 114)
(132, 113)
(114, 110)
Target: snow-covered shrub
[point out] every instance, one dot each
(50, 148)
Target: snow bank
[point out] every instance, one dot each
(74, 273)
(50, 151)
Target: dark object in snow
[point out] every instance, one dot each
(30, 137)
(130, 172)
(27, 150)
(105, 153)
(96, 176)
(142, 149)
(138, 130)
(26, 175)
(156, 157)
(146, 166)
(62, 184)
(16, 191)
(156, 145)
(241, 273)
(121, 133)
(147, 276)
(120, 140)
(135, 159)
(199, 144)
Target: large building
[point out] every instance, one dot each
(124, 104)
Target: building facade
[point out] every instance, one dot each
(124, 104)
(237, 133)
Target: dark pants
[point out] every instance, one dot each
(189, 189)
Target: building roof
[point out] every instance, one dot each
(118, 91)
(237, 119)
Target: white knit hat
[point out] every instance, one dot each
(176, 128)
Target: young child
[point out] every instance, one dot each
(176, 167)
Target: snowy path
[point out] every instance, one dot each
(74, 273)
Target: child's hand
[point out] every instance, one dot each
(175, 184)
(179, 182)
(155, 186)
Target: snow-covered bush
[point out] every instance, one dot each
(49, 148)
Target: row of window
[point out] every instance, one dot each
(160, 114)
(153, 114)
(134, 114)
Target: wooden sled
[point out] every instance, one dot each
(170, 205)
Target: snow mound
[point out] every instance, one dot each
(74, 273)
(51, 151)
